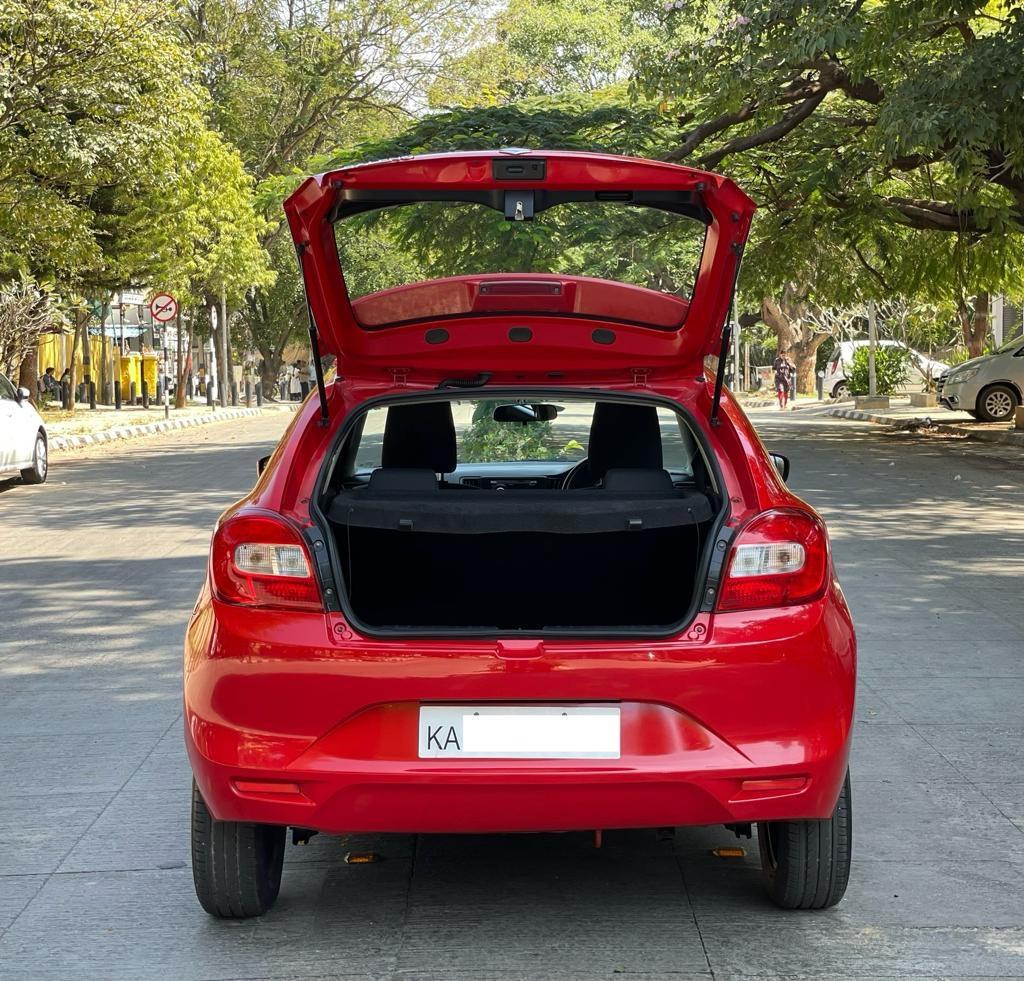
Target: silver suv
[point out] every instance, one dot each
(990, 387)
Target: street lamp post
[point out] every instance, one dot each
(872, 344)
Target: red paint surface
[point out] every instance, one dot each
(301, 698)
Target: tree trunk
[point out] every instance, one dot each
(974, 325)
(786, 316)
(184, 362)
(271, 369)
(72, 380)
(28, 372)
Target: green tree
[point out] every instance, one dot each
(865, 120)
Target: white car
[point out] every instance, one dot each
(22, 435)
(921, 368)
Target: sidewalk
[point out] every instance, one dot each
(938, 419)
(87, 427)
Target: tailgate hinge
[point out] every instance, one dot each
(640, 376)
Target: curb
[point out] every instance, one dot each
(1006, 437)
(146, 429)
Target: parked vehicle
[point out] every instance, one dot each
(522, 566)
(921, 370)
(989, 388)
(22, 435)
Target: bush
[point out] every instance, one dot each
(891, 367)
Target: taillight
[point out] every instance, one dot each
(779, 559)
(260, 560)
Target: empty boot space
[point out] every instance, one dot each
(521, 580)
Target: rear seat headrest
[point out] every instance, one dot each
(624, 436)
(420, 437)
(403, 479)
(638, 481)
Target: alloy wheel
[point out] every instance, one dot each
(998, 404)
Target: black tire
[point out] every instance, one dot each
(236, 866)
(840, 390)
(36, 474)
(996, 403)
(806, 864)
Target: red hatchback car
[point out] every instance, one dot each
(522, 564)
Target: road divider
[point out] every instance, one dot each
(164, 425)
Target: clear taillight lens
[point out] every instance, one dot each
(259, 559)
(780, 558)
(767, 560)
(271, 560)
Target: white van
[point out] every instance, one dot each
(921, 368)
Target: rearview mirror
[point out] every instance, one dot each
(519, 412)
(781, 464)
(24, 393)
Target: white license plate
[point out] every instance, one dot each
(533, 732)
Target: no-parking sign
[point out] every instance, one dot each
(163, 307)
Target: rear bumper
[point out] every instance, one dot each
(324, 733)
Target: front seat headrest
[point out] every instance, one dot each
(624, 436)
(420, 437)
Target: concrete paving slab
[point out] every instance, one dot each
(16, 891)
(37, 832)
(983, 754)
(48, 763)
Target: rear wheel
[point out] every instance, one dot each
(36, 474)
(841, 390)
(996, 403)
(807, 863)
(236, 865)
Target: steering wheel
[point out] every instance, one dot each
(569, 480)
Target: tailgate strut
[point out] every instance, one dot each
(723, 352)
(314, 343)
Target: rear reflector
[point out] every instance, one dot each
(775, 783)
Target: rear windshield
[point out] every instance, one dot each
(563, 440)
(604, 240)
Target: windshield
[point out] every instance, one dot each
(604, 240)
(562, 440)
(1011, 345)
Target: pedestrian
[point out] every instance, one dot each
(294, 384)
(785, 377)
(304, 377)
(48, 384)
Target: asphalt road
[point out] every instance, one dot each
(99, 571)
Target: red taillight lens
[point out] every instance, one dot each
(779, 559)
(260, 560)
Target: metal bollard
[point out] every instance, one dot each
(145, 394)
(209, 394)
(92, 395)
(234, 393)
(821, 386)
(259, 393)
(65, 395)
(248, 394)
(117, 393)
(131, 393)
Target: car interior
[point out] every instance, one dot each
(606, 536)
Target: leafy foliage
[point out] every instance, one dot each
(487, 441)
(891, 367)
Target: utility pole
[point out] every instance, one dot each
(872, 344)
